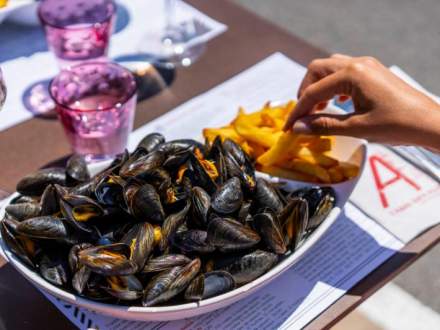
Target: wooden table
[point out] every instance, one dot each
(248, 40)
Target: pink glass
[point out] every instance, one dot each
(77, 30)
(95, 102)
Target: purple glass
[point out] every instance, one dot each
(77, 30)
(95, 102)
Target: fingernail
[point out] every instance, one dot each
(301, 127)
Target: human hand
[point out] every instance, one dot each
(387, 109)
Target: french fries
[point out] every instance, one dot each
(284, 154)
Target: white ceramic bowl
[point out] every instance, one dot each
(349, 148)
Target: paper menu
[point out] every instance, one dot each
(396, 194)
(351, 248)
(23, 73)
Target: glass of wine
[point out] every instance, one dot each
(95, 102)
(174, 43)
(77, 30)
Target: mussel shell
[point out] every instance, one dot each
(157, 177)
(108, 191)
(23, 211)
(216, 283)
(140, 238)
(216, 154)
(24, 199)
(159, 284)
(266, 196)
(192, 241)
(44, 227)
(294, 220)
(80, 279)
(54, 270)
(108, 260)
(229, 235)
(15, 245)
(198, 176)
(150, 142)
(146, 204)
(201, 203)
(142, 164)
(49, 201)
(233, 149)
(86, 188)
(320, 202)
(178, 146)
(177, 285)
(194, 291)
(73, 255)
(124, 287)
(78, 210)
(228, 197)
(170, 225)
(248, 267)
(76, 170)
(34, 184)
(165, 262)
(267, 225)
(243, 215)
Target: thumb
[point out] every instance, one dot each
(327, 124)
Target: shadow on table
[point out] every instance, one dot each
(36, 100)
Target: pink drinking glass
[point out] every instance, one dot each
(95, 102)
(77, 30)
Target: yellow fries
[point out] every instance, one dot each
(286, 155)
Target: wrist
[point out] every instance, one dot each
(428, 133)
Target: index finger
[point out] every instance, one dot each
(322, 90)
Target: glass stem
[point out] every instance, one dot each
(170, 14)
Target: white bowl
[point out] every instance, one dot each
(348, 148)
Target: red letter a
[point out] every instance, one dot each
(381, 185)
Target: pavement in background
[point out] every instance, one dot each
(401, 32)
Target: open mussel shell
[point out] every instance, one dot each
(23, 248)
(108, 260)
(124, 287)
(229, 235)
(192, 241)
(267, 225)
(228, 197)
(266, 196)
(209, 285)
(198, 175)
(109, 190)
(23, 211)
(321, 201)
(294, 221)
(54, 270)
(165, 262)
(73, 258)
(76, 170)
(44, 227)
(234, 150)
(140, 238)
(170, 225)
(248, 267)
(150, 142)
(34, 184)
(78, 210)
(170, 283)
(178, 146)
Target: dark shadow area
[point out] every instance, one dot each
(151, 78)
(18, 40)
(122, 18)
(36, 100)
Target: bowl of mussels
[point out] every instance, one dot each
(171, 230)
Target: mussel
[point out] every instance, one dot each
(34, 184)
(228, 198)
